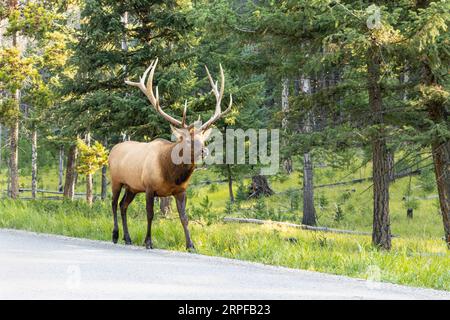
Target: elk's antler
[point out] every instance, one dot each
(154, 100)
(219, 95)
(147, 89)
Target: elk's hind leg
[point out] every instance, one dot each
(124, 203)
(150, 205)
(181, 206)
(116, 189)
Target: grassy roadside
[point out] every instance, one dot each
(412, 261)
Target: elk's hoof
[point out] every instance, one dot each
(128, 241)
(115, 236)
(190, 248)
(148, 245)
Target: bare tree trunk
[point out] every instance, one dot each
(8, 183)
(14, 159)
(89, 181)
(33, 162)
(381, 235)
(104, 190)
(165, 205)
(230, 183)
(61, 168)
(309, 211)
(287, 163)
(14, 131)
(104, 183)
(124, 20)
(69, 186)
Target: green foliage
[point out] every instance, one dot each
(91, 158)
(204, 212)
(14, 69)
(427, 181)
(213, 187)
(32, 19)
(339, 214)
(242, 192)
(9, 111)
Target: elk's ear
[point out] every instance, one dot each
(206, 134)
(177, 132)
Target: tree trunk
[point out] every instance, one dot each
(230, 183)
(441, 158)
(69, 186)
(14, 131)
(61, 168)
(33, 162)
(440, 147)
(104, 183)
(381, 236)
(260, 187)
(287, 162)
(14, 159)
(391, 162)
(309, 211)
(89, 181)
(104, 191)
(8, 183)
(165, 205)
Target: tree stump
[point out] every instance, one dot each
(260, 187)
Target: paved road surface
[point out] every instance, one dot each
(36, 266)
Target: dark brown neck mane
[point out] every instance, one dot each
(176, 173)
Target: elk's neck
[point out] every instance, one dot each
(181, 173)
(177, 174)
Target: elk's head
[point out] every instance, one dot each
(190, 137)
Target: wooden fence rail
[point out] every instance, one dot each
(43, 191)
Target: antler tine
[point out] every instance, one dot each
(211, 81)
(229, 106)
(219, 94)
(140, 84)
(149, 85)
(147, 89)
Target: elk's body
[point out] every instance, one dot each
(153, 167)
(141, 166)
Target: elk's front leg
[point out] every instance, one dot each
(150, 200)
(181, 206)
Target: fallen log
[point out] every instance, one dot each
(293, 225)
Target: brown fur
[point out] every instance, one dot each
(148, 166)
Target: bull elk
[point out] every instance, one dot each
(149, 167)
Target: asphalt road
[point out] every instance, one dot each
(36, 266)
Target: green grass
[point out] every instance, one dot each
(412, 261)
